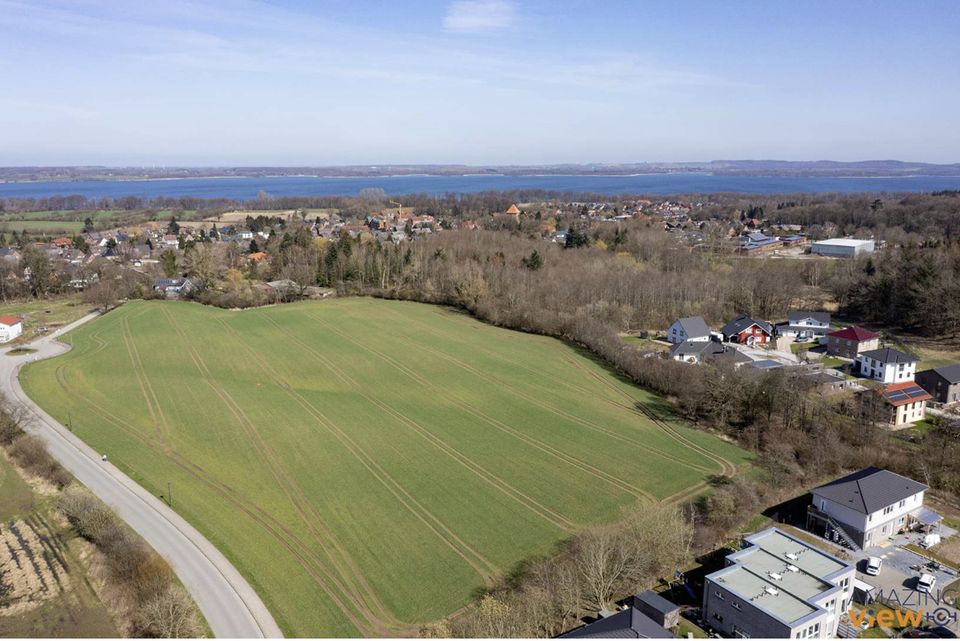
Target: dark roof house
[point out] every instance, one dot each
(694, 326)
(942, 382)
(663, 612)
(742, 322)
(796, 317)
(889, 355)
(870, 490)
(626, 624)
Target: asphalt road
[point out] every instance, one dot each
(230, 605)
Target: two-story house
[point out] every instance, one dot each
(778, 586)
(850, 341)
(867, 507)
(805, 325)
(943, 383)
(691, 328)
(887, 365)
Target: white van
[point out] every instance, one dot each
(926, 582)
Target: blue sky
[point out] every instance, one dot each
(476, 81)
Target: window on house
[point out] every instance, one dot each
(902, 503)
(718, 594)
(736, 605)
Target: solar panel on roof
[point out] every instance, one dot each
(897, 396)
(914, 392)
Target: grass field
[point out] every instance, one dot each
(49, 312)
(368, 464)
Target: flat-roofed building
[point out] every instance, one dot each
(842, 247)
(778, 586)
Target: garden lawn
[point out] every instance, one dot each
(368, 464)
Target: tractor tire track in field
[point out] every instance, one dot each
(487, 570)
(149, 394)
(554, 518)
(538, 444)
(303, 553)
(353, 569)
(727, 468)
(561, 413)
(281, 475)
(572, 387)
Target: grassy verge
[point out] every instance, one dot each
(950, 563)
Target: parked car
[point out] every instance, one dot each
(926, 582)
(874, 563)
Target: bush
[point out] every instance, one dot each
(86, 513)
(168, 615)
(30, 453)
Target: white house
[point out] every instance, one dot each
(842, 247)
(867, 507)
(10, 328)
(692, 328)
(805, 325)
(695, 351)
(887, 365)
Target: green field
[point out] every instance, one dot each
(368, 464)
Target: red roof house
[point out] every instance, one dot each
(850, 341)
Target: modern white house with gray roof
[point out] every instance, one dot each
(691, 328)
(887, 365)
(865, 508)
(778, 586)
(805, 325)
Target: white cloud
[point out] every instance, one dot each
(475, 16)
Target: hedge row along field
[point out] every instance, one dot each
(368, 464)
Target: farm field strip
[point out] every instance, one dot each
(367, 464)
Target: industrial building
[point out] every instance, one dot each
(842, 247)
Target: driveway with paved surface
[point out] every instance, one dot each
(227, 601)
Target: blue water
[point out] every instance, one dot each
(659, 184)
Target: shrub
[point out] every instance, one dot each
(168, 615)
(31, 454)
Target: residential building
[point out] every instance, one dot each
(867, 507)
(805, 325)
(747, 331)
(886, 365)
(850, 341)
(10, 328)
(692, 328)
(626, 624)
(842, 247)
(778, 586)
(943, 383)
(906, 403)
(696, 351)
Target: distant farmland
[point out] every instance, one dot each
(367, 464)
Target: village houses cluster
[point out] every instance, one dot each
(832, 358)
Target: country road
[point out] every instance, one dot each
(230, 605)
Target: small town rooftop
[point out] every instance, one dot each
(780, 574)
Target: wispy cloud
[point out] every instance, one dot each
(477, 16)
